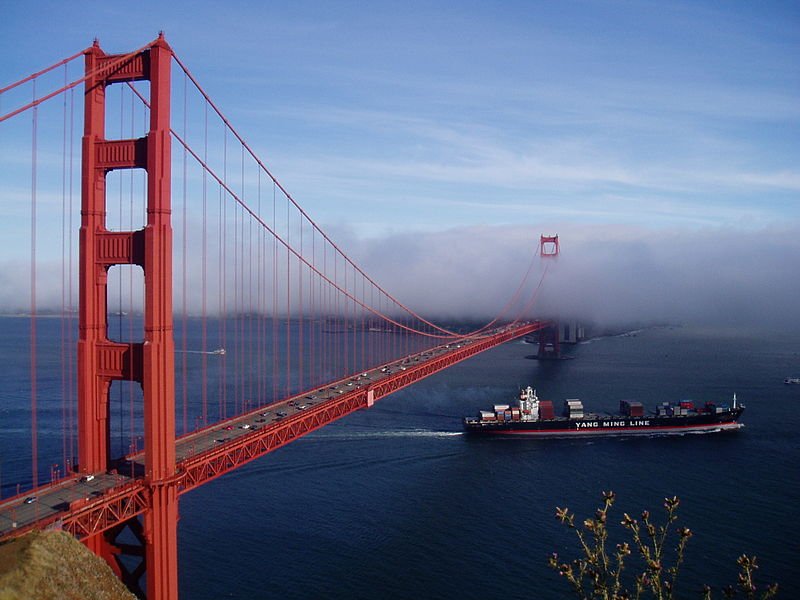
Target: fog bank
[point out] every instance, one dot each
(610, 275)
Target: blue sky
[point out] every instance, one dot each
(390, 118)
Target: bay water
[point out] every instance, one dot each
(397, 502)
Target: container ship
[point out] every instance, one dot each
(534, 417)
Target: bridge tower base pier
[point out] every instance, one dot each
(549, 343)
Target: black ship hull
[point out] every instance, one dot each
(614, 425)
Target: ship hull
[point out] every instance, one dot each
(592, 426)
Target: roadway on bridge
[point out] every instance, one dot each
(47, 502)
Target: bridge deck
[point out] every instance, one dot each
(86, 507)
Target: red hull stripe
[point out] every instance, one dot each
(606, 430)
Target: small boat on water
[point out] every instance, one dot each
(791, 380)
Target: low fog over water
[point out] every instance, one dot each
(611, 275)
(607, 275)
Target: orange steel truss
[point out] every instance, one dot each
(209, 465)
(115, 507)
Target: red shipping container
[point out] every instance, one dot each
(546, 409)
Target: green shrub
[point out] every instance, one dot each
(600, 573)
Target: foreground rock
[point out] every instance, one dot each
(52, 565)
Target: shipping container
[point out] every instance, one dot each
(631, 408)
(498, 408)
(546, 409)
(572, 406)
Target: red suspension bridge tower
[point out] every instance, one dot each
(150, 362)
(549, 342)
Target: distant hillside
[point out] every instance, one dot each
(52, 565)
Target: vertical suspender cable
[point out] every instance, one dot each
(250, 316)
(288, 306)
(352, 328)
(364, 327)
(313, 310)
(121, 227)
(262, 274)
(260, 307)
(325, 338)
(241, 383)
(204, 281)
(370, 338)
(275, 372)
(347, 333)
(224, 275)
(338, 322)
(220, 307)
(300, 324)
(65, 324)
(71, 370)
(246, 382)
(184, 258)
(236, 313)
(34, 432)
(131, 403)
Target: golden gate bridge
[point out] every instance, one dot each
(199, 319)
